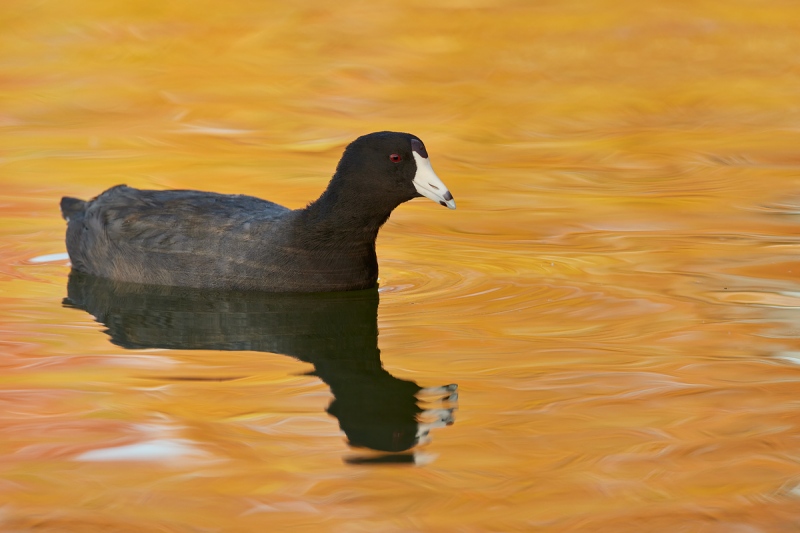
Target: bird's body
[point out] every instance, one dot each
(204, 239)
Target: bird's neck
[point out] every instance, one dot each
(344, 217)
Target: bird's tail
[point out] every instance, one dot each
(71, 207)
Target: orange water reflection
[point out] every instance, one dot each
(616, 295)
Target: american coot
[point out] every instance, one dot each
(209, 240)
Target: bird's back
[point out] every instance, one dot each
(176, 237)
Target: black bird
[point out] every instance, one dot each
(237, 242)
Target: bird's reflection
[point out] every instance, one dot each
(336, 332)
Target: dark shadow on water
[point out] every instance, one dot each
(335, 332)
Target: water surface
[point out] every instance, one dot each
(616, 296)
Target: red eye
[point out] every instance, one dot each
(395, 158)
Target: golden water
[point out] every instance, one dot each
(616, 296)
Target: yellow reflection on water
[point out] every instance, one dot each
(616, 295)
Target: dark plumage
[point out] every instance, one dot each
(209, 240)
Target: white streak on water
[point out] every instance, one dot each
(50, 258)
(154, 450)
(789, 356)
